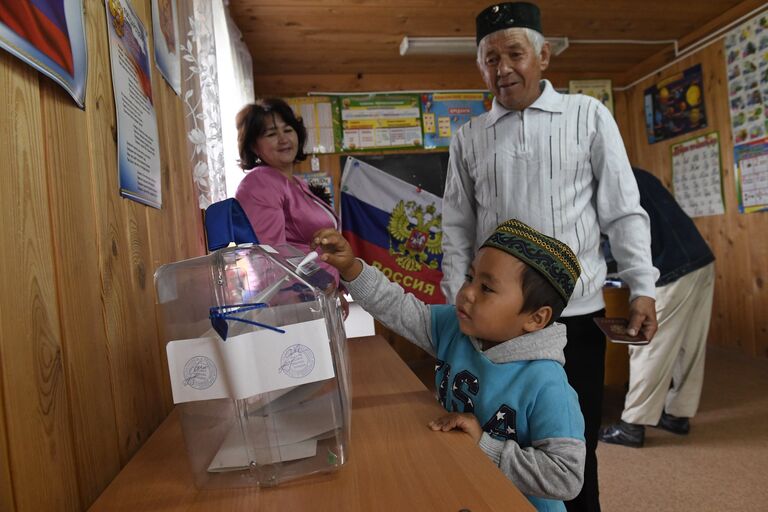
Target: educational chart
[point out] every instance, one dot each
(746, 51)
(444, 113)
(138, 147)
(675, 106)
(752, 175)
(321, 119)
(321, 184)
(696, 175)
(601, 90)
(381, 121)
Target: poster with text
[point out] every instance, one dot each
(322, 120)
(138, 157)
(381, 121)
(751, 172)
(49, 36)
(601, 90)
(675, 106)
(166, 39)
(696, 175)
(443, 113)
(746, 55)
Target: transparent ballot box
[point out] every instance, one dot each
(257, 364)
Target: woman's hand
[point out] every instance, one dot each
(337, 252)
(459, 421)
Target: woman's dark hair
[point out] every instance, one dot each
(538, 292)
(252, 123)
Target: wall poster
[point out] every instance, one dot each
(381, 121)
(166, 39)
(746, 54)
(443, 113)
(696, 175)
(601, 90)
(675, 106)
(321, 119)
(138, 147)
(48, 35)
(751, 173)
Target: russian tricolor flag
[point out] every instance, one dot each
(43, 24)
(394, 226)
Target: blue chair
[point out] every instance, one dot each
(226, 222)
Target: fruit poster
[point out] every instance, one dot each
(675, 106)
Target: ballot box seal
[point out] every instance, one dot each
(200, 372)
(297, 361)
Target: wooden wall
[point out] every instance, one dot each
(739, 241)
(81, 382)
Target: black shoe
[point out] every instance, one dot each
(676, 425)
(623, 433)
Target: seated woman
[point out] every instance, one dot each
(279, 205)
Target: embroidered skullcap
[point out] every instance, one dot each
(551, 257)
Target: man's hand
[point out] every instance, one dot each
(461, 421)
(337, 253)
(642, 317)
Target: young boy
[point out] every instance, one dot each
(499, 353)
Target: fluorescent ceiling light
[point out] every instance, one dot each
(459, 45)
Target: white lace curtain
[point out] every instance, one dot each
(214, 59)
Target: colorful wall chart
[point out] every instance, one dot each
(696, 175)
(746, 54)
(752, 175)
(675, 106)
(444, 113)
(321, 119)
(381, 121)
(601, 90)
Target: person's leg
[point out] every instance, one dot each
(585, 367)
(688, 373)
(651, 366)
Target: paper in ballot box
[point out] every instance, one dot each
(257, 365)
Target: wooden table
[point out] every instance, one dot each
(396, 462)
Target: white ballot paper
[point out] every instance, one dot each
(249, 364)
(293, 433)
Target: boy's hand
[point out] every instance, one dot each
(337, 252)
(461, 421)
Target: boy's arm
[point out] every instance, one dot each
(389, 304)
(553, 466)
(386, 301)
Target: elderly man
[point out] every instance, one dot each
(557, 163)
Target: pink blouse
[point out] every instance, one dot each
(283, 210)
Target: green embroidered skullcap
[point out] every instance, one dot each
(507, 15)
(551, 257)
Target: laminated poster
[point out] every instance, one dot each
(751, 162)
(321, 119)
(696, 175)
(675, 106)
(601, 90)
(382, 121)
(445, 112)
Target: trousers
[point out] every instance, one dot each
(585, 367)
(668, 373)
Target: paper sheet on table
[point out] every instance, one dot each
(294, 433)
(251, 363)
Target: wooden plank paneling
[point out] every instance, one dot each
(741, 299)
(75, 254)
(344, 37)
(38, 430)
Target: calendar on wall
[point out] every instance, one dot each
(696, 175)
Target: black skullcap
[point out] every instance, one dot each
(508, 15)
